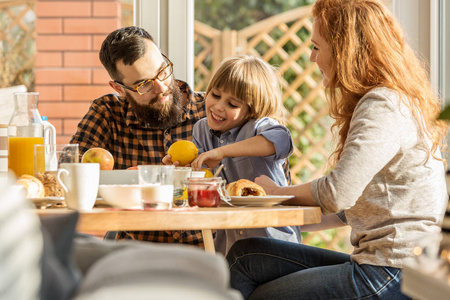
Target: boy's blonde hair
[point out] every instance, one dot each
(253, 81)
(369, 51)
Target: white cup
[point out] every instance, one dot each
(80, 182)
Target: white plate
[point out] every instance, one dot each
(269, 200)
(47, 202)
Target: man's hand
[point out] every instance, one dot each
(167, 161)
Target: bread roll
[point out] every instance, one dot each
(32, 185)
(244, 187)
(51, 186)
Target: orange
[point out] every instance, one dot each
(208, 173)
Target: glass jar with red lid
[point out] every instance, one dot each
(206, 192)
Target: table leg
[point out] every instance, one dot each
(208, 240)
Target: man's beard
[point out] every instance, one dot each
(166, 115)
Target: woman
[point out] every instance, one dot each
(387, 176)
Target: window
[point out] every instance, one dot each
(444, 51)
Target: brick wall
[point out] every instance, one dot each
(68, 72)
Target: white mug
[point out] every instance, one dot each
(80, 182)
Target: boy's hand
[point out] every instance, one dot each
(210, 158)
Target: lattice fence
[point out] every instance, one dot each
(17, 47)
(127, 12)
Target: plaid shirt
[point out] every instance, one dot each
(111, 124)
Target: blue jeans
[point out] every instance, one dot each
(264, 268)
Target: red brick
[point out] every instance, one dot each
(81, 59)
(63, 42)
(70, 125)
(49, 92)
(44, 26)
(97, 41)
(106, 9)
(57, 122)
(48, 59)
(85, 92)
(63, 76)
(100, 76)
(63, 8)
(91, 25)
(63, 139)
(64, 109)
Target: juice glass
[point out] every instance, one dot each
(180, 196)
(156, 183)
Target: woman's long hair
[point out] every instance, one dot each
(369, 51)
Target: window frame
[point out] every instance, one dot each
(171, 23)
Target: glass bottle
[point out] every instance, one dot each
(25, 129)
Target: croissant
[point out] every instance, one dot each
(244, 187)
(32, 185)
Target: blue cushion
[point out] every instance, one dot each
(60, 278)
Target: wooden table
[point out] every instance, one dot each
(204, 219)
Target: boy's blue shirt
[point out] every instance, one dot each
(248, 167)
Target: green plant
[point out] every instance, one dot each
(445, 114)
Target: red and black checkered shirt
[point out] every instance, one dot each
(111, 124)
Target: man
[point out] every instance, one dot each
(151, 111)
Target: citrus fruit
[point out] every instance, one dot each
(183, 151)
(208, 173)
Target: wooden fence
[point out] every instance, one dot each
(17, 47)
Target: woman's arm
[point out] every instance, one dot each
(303, 197)
(255, 146)
(301, 192)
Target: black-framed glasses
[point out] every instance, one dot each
(148, 85)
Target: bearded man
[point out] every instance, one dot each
(150, 111)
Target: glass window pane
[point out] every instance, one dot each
(445, 52)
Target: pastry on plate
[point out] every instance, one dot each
(52, 187)
(244, 187)
(32, 185)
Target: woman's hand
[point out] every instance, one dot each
(210, 158)
(267, 184)
(302, 192)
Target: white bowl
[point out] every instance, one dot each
(119, 177)
(121, 195)
(196, 174)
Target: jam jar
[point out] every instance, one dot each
(206, 192)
